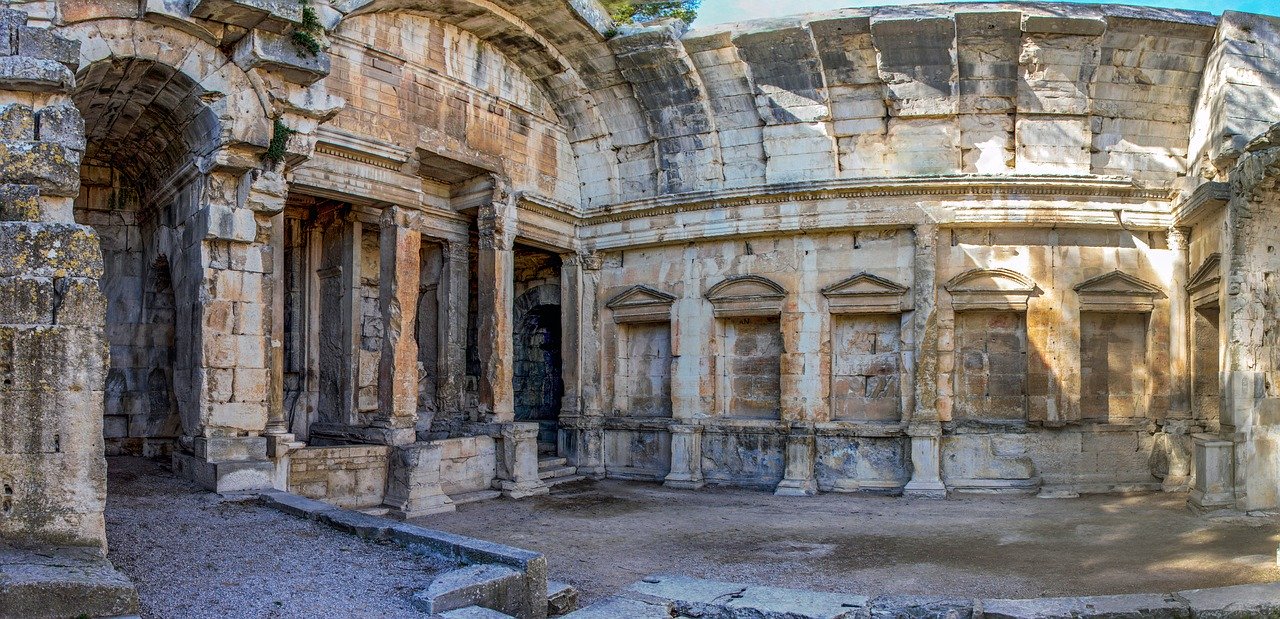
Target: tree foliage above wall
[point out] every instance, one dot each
(629, 11)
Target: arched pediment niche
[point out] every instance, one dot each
(866, 293)
(746, 295)
(641, 304)
(1117, 292)
(994, 289)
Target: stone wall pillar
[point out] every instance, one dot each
(453, 328)
(518, 477)
(53, 351)
(1179, 329)
(497, 223)
(686, 457)
(225, 276)
(582, 434)
(924, 426)
(400, 272)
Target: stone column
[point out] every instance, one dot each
(924, 426)
(1179, 329)
(276, 422)
(497, 223)
(398, 279)
(801, 455)
(572, 348)
(53, 352)
(519, 475)
(1175, 438)
(686, 457)
(453, 328)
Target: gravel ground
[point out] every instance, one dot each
(601, 536)
(194, 554)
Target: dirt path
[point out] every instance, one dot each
(600, 536)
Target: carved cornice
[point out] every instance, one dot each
(980, 187)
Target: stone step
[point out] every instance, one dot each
(474, 612)
(472, 497)
(556, 481)
(562, 598)
(546, 463)
(619, 607)
(559, 471)
(489, 586)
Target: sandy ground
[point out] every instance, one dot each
(601, 536)
(193, 554)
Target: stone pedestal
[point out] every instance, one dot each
(582, 443)
(801, 453)
(227, 464)
(519, 475)
(413, 482)
(686, 458)
(926, 478)
(1213, 488)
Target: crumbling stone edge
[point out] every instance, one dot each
(673, 595)
(459, 548)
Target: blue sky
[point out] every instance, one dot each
(720, 11)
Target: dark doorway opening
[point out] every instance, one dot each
(539, 385)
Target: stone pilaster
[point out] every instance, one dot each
(496, 222)
(800, 455)
(453, 339)
(686, 457)
(582, 435)
(519, 475)
(399, 278)
(924, 426)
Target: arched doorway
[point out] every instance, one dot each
(539, 385)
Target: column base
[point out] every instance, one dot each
(684, 483)
(925, 489)
(441, 504)
(514, 490)
(239, 476)
(796, 487)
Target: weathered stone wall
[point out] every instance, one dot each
(347, 476)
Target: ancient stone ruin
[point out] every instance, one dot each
(413, 254)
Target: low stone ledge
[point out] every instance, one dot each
(62, 582)
(459, 548)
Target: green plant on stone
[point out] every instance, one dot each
(280, 135)
(635, 11)
(305, 35)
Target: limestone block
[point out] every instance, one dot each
(413, 482)
(73, 11)
(42, 43)
(277, 54)
(53, 167)
(917, 65)
(17, 122)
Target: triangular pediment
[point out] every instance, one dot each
(991, 280)
(639, 296)
(1119, 283)
(1209, 273)
(745, 287)
(864, 284)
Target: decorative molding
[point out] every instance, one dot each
(1204, 285)
(865, 293)
(746, 295)
(979, 187)
(641, 304)
(996, 289)
(1117, 292)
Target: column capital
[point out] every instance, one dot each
(1177, 238)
